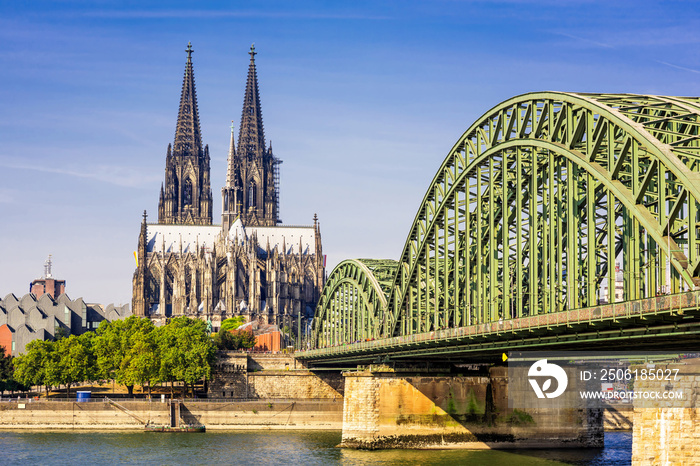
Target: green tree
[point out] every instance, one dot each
(7, 374)
(244, 338)
(224, 340)
(125, 351)
(232, 323)
(234, 339)
(37, 365)
(186, 351)
(75, 360)
(5, 370)
(144, 360)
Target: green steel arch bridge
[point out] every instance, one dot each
(556, 221)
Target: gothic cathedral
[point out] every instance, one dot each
(251, 264)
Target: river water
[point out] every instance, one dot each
(307, 448)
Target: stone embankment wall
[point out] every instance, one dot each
(271, 385)
(271, 376)
(667, 432)
(273, 362)
(291, 414)
(391, 410)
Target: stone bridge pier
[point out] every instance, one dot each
(385, 408)
(667, 431)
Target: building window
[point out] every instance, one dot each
(251, 195)
(187, 194)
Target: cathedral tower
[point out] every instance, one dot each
(252, 180)
(253, 267)
(186, 198)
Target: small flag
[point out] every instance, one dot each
(505, 356)
(136, 257)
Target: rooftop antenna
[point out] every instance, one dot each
(47, 267)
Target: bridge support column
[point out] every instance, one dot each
(385, 409)
(667, 432)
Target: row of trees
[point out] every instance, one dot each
(131, 352)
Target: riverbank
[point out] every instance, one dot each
(214, 414)
(133, 415)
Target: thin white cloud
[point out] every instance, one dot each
(604, 45)
(116, 175)
(656, 37)
(677, 66)
(583, 39)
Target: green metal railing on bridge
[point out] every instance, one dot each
(673, 316)
(531, 215)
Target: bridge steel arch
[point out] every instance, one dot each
(353, 302)
(536, 206)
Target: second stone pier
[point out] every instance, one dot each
(388, 409)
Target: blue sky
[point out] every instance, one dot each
(362, 100)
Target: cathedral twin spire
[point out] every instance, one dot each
(252, 178)
(251, 136)
(188, 138)
(186, 196)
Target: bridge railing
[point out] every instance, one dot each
(613, 311)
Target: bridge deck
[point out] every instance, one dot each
(671, 320)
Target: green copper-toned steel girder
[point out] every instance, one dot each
(548, 202)
(353, 301)
(610, 154)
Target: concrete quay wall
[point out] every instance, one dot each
(280, 393)
(274, 414)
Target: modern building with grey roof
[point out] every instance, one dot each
(28, 318)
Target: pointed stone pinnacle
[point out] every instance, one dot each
(188, 140)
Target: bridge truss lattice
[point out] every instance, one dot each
(530, 213)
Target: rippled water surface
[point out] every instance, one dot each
(305, 448)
